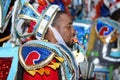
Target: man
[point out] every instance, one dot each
(59, 32)
(63, 25)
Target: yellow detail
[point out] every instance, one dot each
(5, 38)
(60, 59)
(56, 64)
(52, 66)
(33, 72)
(41, 71)
(47, 71)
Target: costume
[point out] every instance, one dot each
(8, 53)
(8, 62)
(101, 48)
(48, 57)
(40, 59)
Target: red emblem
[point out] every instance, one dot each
(32, 57)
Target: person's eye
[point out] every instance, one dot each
(69, 26)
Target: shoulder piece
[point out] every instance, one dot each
(35, 55)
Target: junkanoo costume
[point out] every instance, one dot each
(44, 60)
(101, 50)
(103, 46)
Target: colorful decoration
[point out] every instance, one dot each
(5, 67)
(101, 40)
(43, 56)
(47, 57)
(82, 29)
(103, 29)
(43, 21)
(103, 43)
(8, 62)
(106, 28)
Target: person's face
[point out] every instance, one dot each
(66, 30)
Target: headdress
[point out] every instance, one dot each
(43, 21)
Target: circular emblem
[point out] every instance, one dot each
(104, 29)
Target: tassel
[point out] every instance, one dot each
(41, 71)
(47, 71)
(32, 72)
(56, 64)
(52, 66)
(60, 59)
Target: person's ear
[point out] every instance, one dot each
(47, 31)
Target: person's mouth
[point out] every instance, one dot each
(74, 40)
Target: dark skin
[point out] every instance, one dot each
(50, 37)
(65, 28)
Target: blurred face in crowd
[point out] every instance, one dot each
(65, 28)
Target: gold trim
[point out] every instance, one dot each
(5, 38)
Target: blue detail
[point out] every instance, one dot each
(47, 44)
(72, 59)
(45, 53)
(23, 2)
(101, 24)
(26, 10)
(5, 7)
(104, 11)
(70, 54)
(5, 4)
(82, 32)
(115, 54)
(67, 71)
(104, 71)
(58, 51)
(47, 18)
(39, 34)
